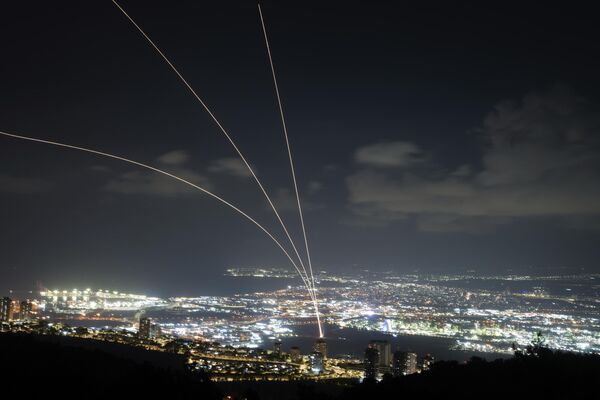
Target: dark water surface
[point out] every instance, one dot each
(354, 341)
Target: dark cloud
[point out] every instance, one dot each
(389, 154)
(285, 200)
(231, 166)
(540, 159)
(175, 157)
(100, 168)
(18, 185)
(151, 183)
(314, 187)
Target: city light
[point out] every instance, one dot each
(230, 336)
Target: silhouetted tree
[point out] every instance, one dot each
(537, 348)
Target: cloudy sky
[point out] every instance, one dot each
(437, 139)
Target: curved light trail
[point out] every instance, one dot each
(289, 151)
(214, 118)
(160, 171)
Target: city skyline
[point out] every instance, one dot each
(376, 324)
(453, 316)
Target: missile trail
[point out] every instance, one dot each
(160, 171)
(287, 142)
(214, 118)
(238, 151)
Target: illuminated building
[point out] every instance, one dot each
(405, 363)
(428, 361)
(385, 354)
(321, 347)
(295, 354)
(5, 309)
(277, 348)
(371, 363)
(148, 329)
(316, 361)
(155, 331)
(78, 301)
(25, 310)
(387, 326)
(145, 329)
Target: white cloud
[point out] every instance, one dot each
(175, 157)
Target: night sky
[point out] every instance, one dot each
(430, 138)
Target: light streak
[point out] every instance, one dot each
(287, 142)
(160, 171)
(214, 118)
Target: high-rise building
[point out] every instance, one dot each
(25, 310)
(277, 348)
(321, 347)
(385, 353)
(5, 309)
(371, 363)
(399, 360)
(295, 354)
(155, 330)
(405, 363)
(148, 329)
(428, 361)
(317, 363)
(145, 329)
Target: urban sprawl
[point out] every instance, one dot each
(243, 336)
